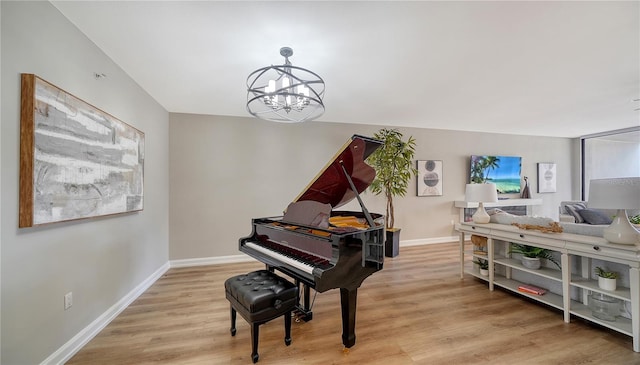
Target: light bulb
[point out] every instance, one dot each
(271, 87)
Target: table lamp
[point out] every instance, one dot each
(621, 194)
(481, 193)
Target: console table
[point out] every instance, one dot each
(462, 205)
(584, 248)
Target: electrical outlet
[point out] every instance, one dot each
(68, 300)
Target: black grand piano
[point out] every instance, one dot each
(322, 248)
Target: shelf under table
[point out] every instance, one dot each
(621, 324)
(548, 298)
(543, 271)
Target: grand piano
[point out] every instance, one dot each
(322, 248)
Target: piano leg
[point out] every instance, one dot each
(348, 299)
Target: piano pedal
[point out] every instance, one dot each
(300, 315)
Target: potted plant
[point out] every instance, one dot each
(606, 279)
(393, 163)
(483, 265)
(531, 255)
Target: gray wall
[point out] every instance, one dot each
(226, 170)
(99, 260)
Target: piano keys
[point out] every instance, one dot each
(322, 248)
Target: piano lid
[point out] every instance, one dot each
(330, 185)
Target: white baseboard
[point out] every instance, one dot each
(429, 241)
(64, 353)
(244, 258)
(210, 261)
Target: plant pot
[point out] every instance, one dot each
(392, 243)
(606, 283)
(532, 263)
(484, 272)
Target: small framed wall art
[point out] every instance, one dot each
(546, 177)
(429, 178)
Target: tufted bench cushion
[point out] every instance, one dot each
(261, 295)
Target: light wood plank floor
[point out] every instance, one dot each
(415, 311)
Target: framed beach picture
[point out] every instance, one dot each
(504, 171)
(76, 161)
(546, 177)
(429, 178)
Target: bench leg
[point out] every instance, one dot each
(287, 328)
(233, 322)
(254, 341)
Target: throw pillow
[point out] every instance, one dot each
(573, 210)
(496, 211)
(592, 216)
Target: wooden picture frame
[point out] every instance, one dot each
(429, 178)
(76, 161)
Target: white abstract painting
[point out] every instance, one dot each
(546, 177)
(84, 162)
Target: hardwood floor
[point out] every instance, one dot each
(415, 311)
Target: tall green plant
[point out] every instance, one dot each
(393, 163)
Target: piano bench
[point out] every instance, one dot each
(259, 297)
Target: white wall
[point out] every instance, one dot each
(226, 170)
(611, 158)
(99, 260)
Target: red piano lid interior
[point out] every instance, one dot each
(331, 186)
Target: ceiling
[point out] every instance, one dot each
(562, 69)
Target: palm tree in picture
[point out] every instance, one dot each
(476, 172)
(490, 163)
(480, 167)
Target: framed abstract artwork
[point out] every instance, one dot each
(429, 178)
(76, 161)
(546, 177)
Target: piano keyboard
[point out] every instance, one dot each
(298, 263)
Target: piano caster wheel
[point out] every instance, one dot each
(287, 341)
(345, 350)
(233, 332)
(254, 357)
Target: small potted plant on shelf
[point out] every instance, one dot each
(483, 265)
(531, 255)
(606, 279)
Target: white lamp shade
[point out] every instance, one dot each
(621, 194)
(481, 193)
(618, 193)
(485, 193)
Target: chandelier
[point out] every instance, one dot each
(285, 93)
